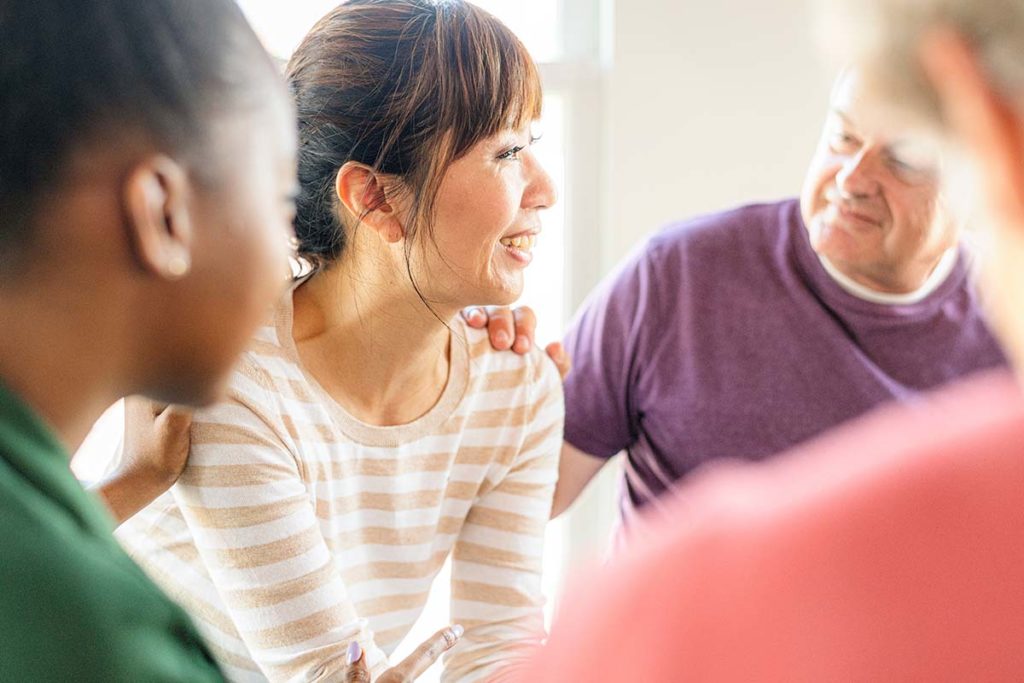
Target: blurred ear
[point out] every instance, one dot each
(981, 119)
(362, 192)
(156, 195)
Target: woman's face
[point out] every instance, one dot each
(487, 219)
(242, 224)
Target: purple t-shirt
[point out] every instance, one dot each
(724, 337)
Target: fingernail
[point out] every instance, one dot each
(501, 338)
(523, 343)
(475, 314)
(458, 630)
(354, 653)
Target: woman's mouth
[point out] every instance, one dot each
(520, 247)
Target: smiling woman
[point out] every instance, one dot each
(552, 31)
(370, 434)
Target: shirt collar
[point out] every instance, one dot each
(938, 275)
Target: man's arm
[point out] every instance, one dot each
(575, 470)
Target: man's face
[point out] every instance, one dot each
(870, 199)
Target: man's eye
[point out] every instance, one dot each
(843, 141)
(911, 173)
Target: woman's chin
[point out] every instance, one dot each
(500, 296)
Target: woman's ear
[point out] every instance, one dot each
(362, 192)
(156, 202)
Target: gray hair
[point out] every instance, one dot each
(882, 37)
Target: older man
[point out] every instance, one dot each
(741, 334)
(892, 550)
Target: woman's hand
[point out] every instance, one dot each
(411, 668)
(514, 329)
(154, 453)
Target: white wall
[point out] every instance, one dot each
(708, 104)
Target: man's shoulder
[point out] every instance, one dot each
(751, 225)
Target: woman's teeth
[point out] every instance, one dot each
(523, 242)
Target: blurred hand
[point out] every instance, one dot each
(154, 452)
(410, 668)
(514, 329)
(156, 439)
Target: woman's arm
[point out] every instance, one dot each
(254, 523)
(499, 555)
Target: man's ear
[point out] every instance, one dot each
(981, 119)
(362, 192)
(156, 200)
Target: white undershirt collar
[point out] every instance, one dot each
(938, 275)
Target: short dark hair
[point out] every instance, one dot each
(73, 71)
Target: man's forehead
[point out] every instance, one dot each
(853, 104)
(848, 100)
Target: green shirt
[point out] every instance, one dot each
(73, 605)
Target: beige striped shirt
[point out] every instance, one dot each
(296, 528)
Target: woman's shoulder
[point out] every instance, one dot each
(491, 369)
(263, 374)
(270, 359)
(261, 363)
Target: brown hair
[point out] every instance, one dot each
(405, 87)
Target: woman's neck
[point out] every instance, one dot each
(61, 357)
(370, 341)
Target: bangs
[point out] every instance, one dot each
(493, 83)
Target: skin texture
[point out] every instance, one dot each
(410, 668)
(871, 197)
(360, 326)
(240, 267)
(155, 449)
(188, 329)
(105, 308)
(492, 192)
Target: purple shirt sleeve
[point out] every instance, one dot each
(606, 342)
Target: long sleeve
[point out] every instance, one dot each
(498, 558)
(255, 526)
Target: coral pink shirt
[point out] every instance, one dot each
(890, 549)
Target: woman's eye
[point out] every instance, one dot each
(512, 154)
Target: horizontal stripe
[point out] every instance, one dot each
(283, 531)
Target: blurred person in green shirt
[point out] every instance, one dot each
(147, 174)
